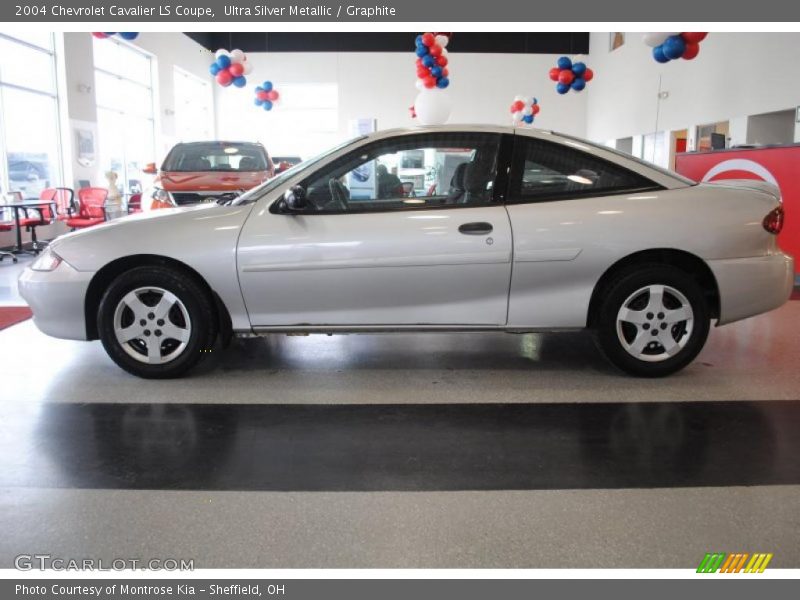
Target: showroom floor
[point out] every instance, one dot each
(464, 450)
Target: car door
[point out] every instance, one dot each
(408, 230)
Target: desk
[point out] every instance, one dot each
(25, 206)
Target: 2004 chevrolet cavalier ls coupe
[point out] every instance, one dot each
(440, 229)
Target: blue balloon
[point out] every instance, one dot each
(267, 86)
(658, 54)
(224, 62)
(562, 88)
(436, 71)
(528, 119)
(578, 84)
(442, 82)
(674, 47)
(579, 69)
(240, 81)
(429, 61)
(259, 89)
(422, 51)
(564, 63)
(128, 35)
(535, 101)
(258, 101)
(267, 105)
(214, 68)
(418, 41)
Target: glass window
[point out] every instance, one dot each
(547, 171)
(29, 123)
(125, 114)
(409, 172)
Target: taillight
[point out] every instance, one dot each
(773, 222)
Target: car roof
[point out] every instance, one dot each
(219, 142)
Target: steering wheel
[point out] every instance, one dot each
(339, 194)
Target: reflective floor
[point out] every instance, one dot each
(465, 450)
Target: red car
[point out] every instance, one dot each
(197, 172)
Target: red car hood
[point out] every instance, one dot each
(194, 181)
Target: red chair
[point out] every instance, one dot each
(91, 208)
(64, 199)
(38, 216)
(134, 204)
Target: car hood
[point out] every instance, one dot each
(200, 181)
(171, 232)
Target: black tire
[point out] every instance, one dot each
(620, 290)
(194, 297)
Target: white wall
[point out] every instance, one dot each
(381, 86)
(735, 75)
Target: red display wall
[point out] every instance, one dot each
(779, 165)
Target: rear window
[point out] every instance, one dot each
(215, 156)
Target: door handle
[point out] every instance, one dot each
(477, 228)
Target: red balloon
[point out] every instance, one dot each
(422, 72)
(566, 76)
(694, 38)
(518, 105)
(588, 74)
(435, 50)
(272, 95)
(236, 69)
(224, 78)
(262, 95)
(429, 82)
(554, 73)
(445, 72)
(441, 60)
(692, 50)
(419, 62)
(535, 109)
(428, 39)
(99, 35)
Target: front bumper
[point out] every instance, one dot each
(751, 286)
(57, 300)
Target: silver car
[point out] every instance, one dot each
(440, 229)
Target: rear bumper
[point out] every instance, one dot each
(57, 300)
(751, 286)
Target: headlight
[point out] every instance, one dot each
(157, 198)
(47, 261)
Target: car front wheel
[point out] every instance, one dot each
(652, 321)
(157, 322)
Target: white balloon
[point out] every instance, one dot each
(442, 40)
(527, 111)
(518, 98)
(433, 106)
(237, 56)
(516, 116)
(526, 101)
(222, 52)
(248, 67)
(419, 85)
(656, 38)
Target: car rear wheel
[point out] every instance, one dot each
(652, 321)
(157, 322)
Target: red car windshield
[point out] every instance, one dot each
(215, 156)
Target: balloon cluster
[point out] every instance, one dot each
(672, 46)
(230, 68)
(524, 109)
(569, 75)
(266, 95)
(432, 61)
(125, 35)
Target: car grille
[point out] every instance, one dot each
(187, 198)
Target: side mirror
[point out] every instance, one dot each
(150, 169)
(295, 198)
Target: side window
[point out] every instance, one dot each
(548, 171)
(409, 172)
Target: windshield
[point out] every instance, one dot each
(257, 192)
(216, 156)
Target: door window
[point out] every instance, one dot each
(409, 172)
(547, 171)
